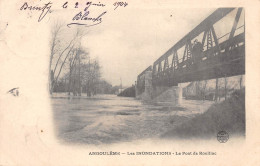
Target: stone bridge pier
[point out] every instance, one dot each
(152, 93)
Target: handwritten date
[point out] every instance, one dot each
(84, 17)
(121, 4)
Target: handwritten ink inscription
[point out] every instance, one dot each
(45, 9)
(117, 4)
(84, 17)
(81, 16)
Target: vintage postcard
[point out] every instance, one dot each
(129, 82)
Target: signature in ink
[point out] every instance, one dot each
(84, 16)
(45, 9)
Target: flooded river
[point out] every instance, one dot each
(111, 119)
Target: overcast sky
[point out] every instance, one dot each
(130, 39)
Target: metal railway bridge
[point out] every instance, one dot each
(215, 60)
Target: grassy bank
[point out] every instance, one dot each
(228, 115)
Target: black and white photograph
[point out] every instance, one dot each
(129, 82)
(193, 86)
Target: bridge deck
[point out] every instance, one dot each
(217, 60)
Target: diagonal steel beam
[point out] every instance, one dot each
(235, 23)
(203, 26)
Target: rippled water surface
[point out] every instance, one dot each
(111, 119)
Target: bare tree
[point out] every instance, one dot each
(71, 67)
(63, 53)
(204, 89)
(216, 90)
(54, 41)
(197, 88)
(226, 82)
(78, 55)
(90, 76)
(64, 61)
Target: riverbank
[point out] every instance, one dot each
(226, 116)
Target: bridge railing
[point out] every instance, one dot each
(229, 50)
(163, 71)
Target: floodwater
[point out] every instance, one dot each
(106, 119)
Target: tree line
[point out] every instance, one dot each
(213, 89)
(71, 69)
